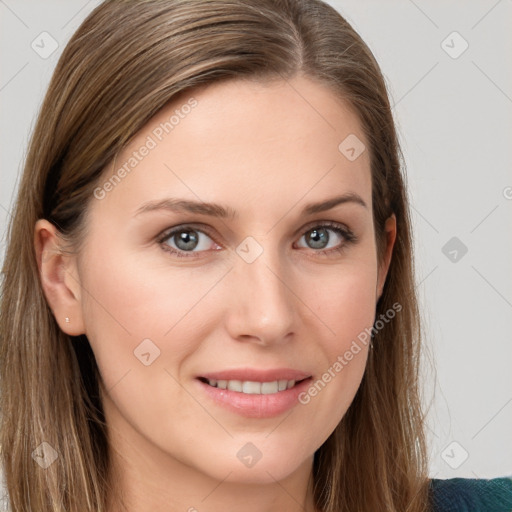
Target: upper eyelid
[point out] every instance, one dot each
(325, 223)
(166, 233)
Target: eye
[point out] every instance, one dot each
(186, 239)
(320, 239)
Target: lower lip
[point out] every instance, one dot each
(256, 406)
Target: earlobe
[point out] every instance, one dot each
(390, 230)
(59, 278)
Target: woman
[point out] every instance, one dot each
(212, 242)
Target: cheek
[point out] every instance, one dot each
(345, 301)
(143, 321)
(128, 301)
(138, 298)
(346, 305)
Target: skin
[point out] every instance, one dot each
(265, 151)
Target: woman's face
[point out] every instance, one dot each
(256, 292)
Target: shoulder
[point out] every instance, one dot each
(471, 495)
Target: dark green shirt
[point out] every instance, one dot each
(471, 495)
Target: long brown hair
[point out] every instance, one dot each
(123, 64)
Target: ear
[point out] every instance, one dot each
(390, 234)
(59, 278)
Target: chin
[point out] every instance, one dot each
(260, 474)
(248, 465)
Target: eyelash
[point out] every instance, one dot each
(347, 234)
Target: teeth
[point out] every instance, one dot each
(268, 388)
(252, 388)
(282, 385)
(235, 385)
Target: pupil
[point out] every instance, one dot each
(186, 240)
(320, 238)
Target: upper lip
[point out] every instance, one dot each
(257, 375)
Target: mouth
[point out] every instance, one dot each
(254, 393)
(250, 387)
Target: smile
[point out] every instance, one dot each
(254, 393)
(251, 387)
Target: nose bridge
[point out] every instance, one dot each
(264, 304)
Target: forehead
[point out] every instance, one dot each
(246, 144)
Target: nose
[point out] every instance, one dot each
(262, 307)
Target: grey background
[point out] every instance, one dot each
(455, 124)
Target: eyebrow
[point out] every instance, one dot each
(224, 212)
